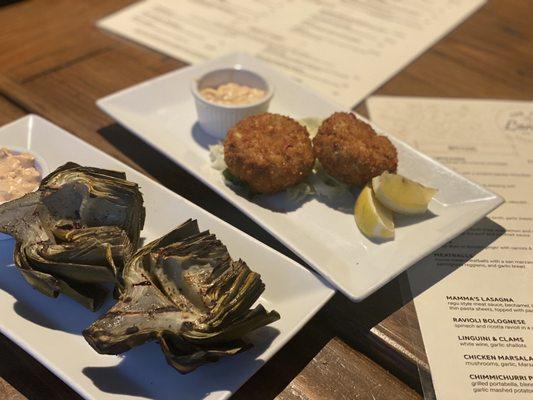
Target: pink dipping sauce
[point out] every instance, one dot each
(18, 174)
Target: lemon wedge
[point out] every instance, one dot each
(374, 220)
(402, 195)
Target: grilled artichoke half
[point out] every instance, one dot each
(185, 291)
(76, 231)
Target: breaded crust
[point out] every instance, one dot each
(269, 152)
(351, 151)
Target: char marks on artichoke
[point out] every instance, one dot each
(186, 292)
(77, 231)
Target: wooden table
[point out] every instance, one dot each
(55, 62)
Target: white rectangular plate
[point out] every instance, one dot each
(50, 329)
(161, 112)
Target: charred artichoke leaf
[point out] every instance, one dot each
(185, 291)
(43, 282)
(115, 238)
(89, 295)
(90, 261)
(186, 357)
(107, 199)
(72, 165)
(25, 219)
(78, 230)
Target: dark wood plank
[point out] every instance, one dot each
(8, 392)
(21, 377)
(9, 111)
(340, 373)
(401, 332)
(23, 99)
(489, 55)
(60, 69)
(39, 37)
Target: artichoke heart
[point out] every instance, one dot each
(77, 231)
(186, 292)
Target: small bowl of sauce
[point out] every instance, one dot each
(225, 96)
(20, 173)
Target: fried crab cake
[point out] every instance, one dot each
(351, 151)
(269, 152)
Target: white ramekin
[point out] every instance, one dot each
(216, 119)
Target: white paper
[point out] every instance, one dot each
(343, 49)
(475, 306)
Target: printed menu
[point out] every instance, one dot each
(474, 296)
(344, 49)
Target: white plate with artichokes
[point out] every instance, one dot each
(194, 306)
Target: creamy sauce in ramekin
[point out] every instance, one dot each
(18, 174)
(232, 93)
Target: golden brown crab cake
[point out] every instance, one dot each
(270, 152)
(350, 150)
